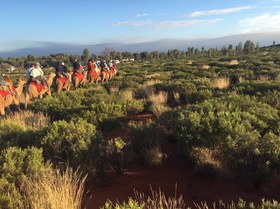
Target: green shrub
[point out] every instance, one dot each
(244, 131)
(144, 135)
(13, 133)
(202, 95)
(102, 113)
(17, 165)
(131, 204)
(117, 154)
(69, 142)
(154, 157)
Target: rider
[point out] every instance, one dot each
(59, 70)
(41, 77)
(91, 65)
(29, 70)
(66, 71)
(34, 74)
(5, 85)
(76, 65)
(103, 66)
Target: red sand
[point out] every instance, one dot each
(176, 173)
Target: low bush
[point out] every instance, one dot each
(17, 165)
(244, 130)
(144, 135)
(154, 157)
(14, 133)
(69, 143)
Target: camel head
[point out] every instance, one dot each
(21, 81)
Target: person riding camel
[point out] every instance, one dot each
(59, 70)
(34, 74)
(103, 66)
(6, 85)
(91, 65)
(78, 67)
(66, 71)
(41, 77)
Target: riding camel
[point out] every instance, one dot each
(105, 76)
(8, 98)
(113, 72)
(34, 90)
(62, 83)
(79, 79)
(6, 101)
(94, 75)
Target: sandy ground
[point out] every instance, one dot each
(175, 178)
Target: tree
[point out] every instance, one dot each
(86, 55)
(126, 55)
(239, 47)
(249, 47)
(93, 57)
(137, 56)
(106, 54)
(155, 55)
(114, 55)
(144, 55)
(224, 51)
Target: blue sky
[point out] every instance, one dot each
(35, 23)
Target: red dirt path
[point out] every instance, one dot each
(176, 171)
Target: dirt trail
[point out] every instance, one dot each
(176, 173)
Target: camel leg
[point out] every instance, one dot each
(26, 100)
(2, 111)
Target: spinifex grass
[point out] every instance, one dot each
(30, 119)
(56, 190)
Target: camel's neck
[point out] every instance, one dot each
(50, 80)
(19, 89)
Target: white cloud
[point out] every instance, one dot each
(141, 15)
(263, 23)
(182, 23)
(168, 24)
(133, 23)
(219, 11)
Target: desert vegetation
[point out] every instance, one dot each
(225, 119)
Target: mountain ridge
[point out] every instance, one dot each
(47, 48)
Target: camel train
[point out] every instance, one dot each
(35, 90)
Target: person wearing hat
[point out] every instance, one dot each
(41, 77)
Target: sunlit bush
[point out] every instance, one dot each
(244, 131)
(18, 165)
(69, 142)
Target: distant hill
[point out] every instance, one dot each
(47, 48)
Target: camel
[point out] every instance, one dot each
(20, 85)
(6, 101)
(62, 83)
(113, 72)
(105, 76)
(31, 91)
(94, 75)
(79, 79)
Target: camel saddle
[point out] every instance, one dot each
(5, 93)
(80, 76)
(63, 79)
(93, 73)
(39, 86)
